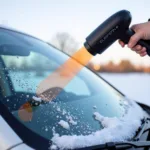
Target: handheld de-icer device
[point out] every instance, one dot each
(114, 28)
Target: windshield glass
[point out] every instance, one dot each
(25, 62)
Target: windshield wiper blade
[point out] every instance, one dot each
(142, 129)
(137, 144)
(119, 145)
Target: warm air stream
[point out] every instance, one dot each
(114, 28)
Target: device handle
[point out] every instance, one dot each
(145, 43)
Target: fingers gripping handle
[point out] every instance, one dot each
(144, 43)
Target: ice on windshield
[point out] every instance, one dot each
(64, 124)
(115, 130)
(37, 99)
(71, 121)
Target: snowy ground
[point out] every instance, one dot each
(135, 86)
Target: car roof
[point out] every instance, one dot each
(18, 31)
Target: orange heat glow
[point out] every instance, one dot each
(50, 87)
(56, 81)
(25, 112)
(96, 67)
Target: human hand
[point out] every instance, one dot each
(142, 31)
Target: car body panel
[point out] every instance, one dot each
(22, 147)
(8, 137)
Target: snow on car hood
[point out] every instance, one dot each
(115, 130)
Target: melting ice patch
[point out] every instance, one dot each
(71, 121)
(64, 124)
(58, 109)
(94, 107)
(115, 129)
(38, 99)
(64, 112)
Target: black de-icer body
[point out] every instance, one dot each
(114, 28)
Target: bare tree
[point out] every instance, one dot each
(65, 42)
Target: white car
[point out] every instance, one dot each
(88, 113)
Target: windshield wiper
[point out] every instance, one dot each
(137, 144)
(119, 145)
(142, 129)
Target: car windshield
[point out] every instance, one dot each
(26, 61)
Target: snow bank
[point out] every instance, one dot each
(115, 129)
(53, 147)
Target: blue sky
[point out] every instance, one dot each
(44, 18)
